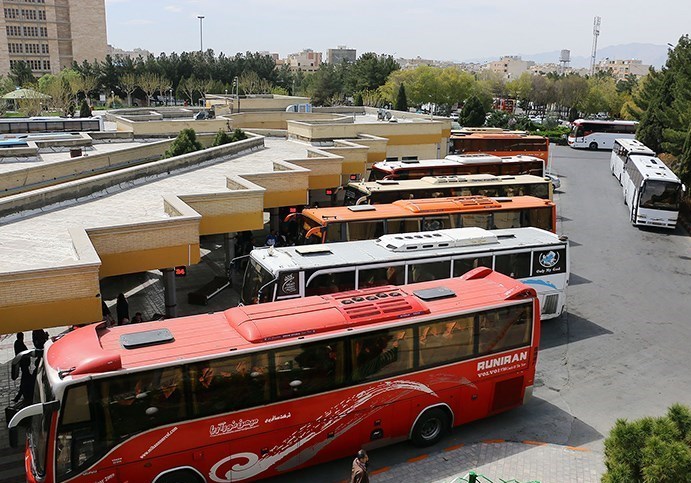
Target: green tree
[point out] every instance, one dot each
(21, 74)
(185, 142)
(84, 109)
(650, 449)
(357, 99)
(401, 100)
(473, 113)
(498, 119)
(238, 135)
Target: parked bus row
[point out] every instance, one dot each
(257, 391)
(536, 257)
(651, 190)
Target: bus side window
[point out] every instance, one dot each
(506, 219)
(243, 377)
(478, 220)
(464, 265)
(365, 230)
(376, 277)
(409, 225)
(334, 232)
(327, 283)
(538, 217)
(309, 369)
(516, 265)
(382, 354)
(506, 328)
(446, 341)
(423, 272)
(436, 223)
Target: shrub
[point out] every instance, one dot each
(185, 142)
(221, 138)
(238, 135)
(650, 449)
(84, 109)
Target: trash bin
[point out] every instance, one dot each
(75, 152)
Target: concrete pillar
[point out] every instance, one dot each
(169, 296)
(274, 220)
(229, 250)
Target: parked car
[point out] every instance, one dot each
(556, 183)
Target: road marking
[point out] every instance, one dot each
(380, 470)
(493, 441)
(455, 446)
(417, 458)
(577, 448)
(534, 443)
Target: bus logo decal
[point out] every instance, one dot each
(549, 259)
(334, 419)
(224, 428)
(289, 285)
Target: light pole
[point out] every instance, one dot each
(236, 84)
(201, 33)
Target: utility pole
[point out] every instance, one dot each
(201, 33)
(596, 32)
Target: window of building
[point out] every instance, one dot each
(44, 32)
(46, 65)
(45, 49)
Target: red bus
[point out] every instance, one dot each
(457, 164)
(261, 390)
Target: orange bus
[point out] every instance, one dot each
(261, 390)
(500, 144)
(365, 222)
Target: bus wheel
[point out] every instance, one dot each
(179, 476)
(430, 427)
(593, 146)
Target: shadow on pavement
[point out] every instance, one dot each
(567, 329)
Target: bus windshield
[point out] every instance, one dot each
(256, 278)
(660, 195)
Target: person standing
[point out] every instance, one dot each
(359, 471)
(26, 382)
(123, 309)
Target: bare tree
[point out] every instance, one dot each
(150, 83)
(89, 84)
(187, 86)
(129, 84)
(203, 86)
(249, 82)
(60, 91)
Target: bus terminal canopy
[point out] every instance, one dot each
(25, 94)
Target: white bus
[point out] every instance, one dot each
(535, 257)
(594, 134)
(651, 190)
(621, 150)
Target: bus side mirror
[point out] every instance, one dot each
(313, 231)
(683, 188)
(290, 217)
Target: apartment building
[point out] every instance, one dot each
(48, 35)
(306, 61)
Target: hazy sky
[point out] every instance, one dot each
(432, 29)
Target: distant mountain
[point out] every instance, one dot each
(650, 54)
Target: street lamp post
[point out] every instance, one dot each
(201, 33)
(236, 84)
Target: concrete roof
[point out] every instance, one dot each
(42, 241)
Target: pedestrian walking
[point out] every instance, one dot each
(39, 337)
(359, 471)
(122, 308)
